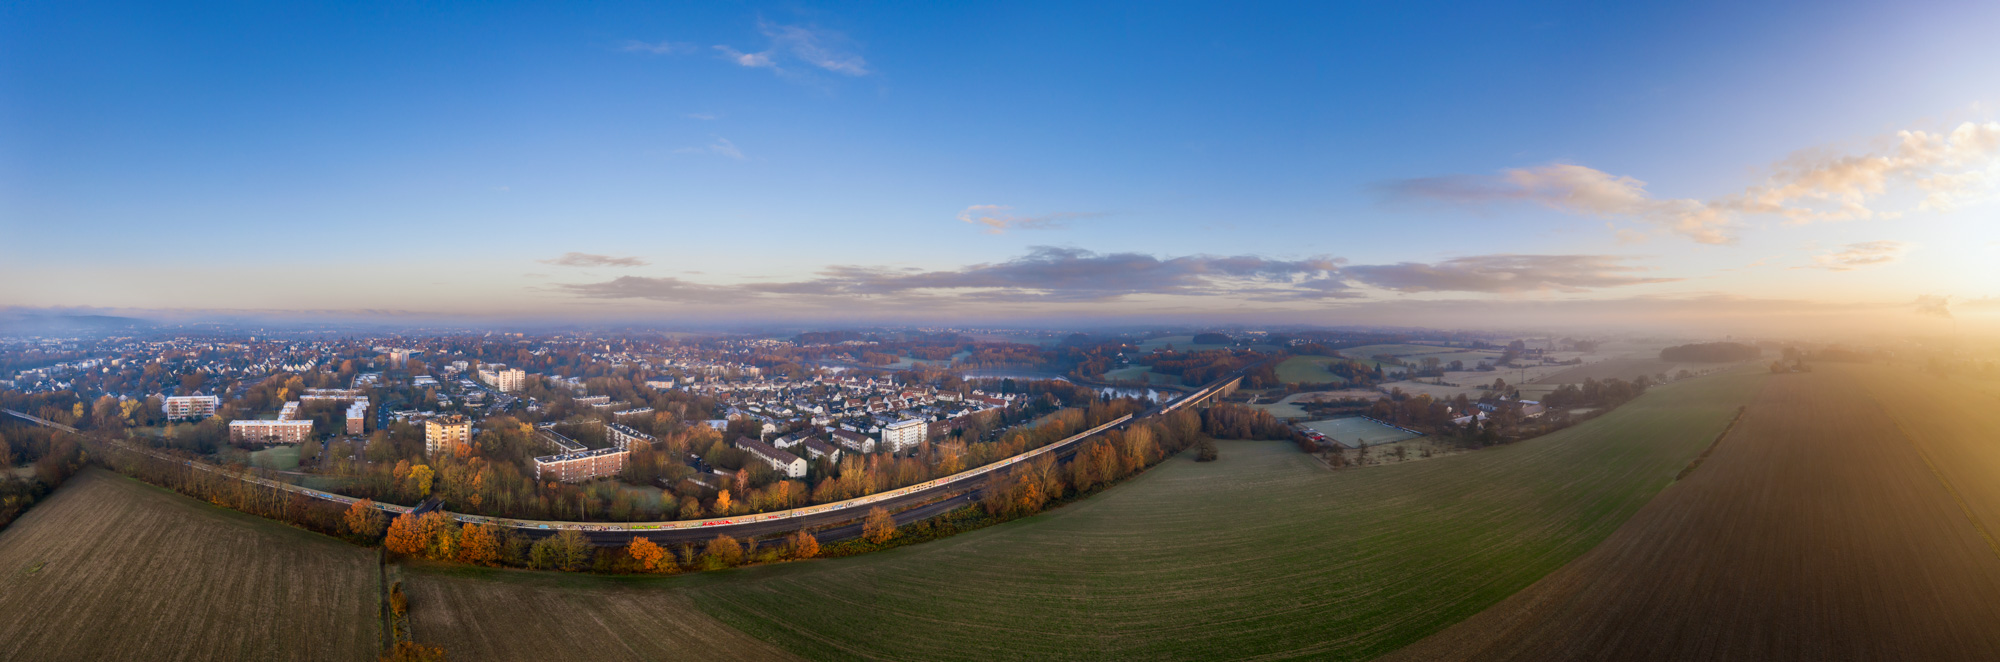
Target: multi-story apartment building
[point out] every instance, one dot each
(580, 466)
(503, 379)
(904, 434)
(270, 432)
(858, 443)
(792, 466)
(444, 432)
(190, 406)
(357, 416)
(627, 438)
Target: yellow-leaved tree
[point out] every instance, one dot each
(650, 556)
(879, 527)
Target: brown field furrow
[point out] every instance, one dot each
(1816, 531)
(132, 572)
(512, 615)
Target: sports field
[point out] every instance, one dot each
(1262, 554)
(1845, 518)
(1356, 432)
(109, 568)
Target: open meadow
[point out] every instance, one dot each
(1264, 553)
(1308, 370)
(1140, 372)
(109, 568)
(1845, 517)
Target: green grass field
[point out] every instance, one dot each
(1182, 343)
(1367, 351)
(1137, 372)
(1308, 370)
(282, 458)
(1262, 554)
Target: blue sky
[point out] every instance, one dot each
(1379, 163)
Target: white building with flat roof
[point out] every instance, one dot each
(905, 434)
(792, 466)
(190, 406)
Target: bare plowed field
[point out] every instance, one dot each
(1816, 531)
(112, 569)
(509, 615)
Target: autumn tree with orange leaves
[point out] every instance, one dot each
(879, 527)
(411, 535)
(804, 545)
(722, 552)
(363, 519)
(479, 544)
(405, 536)
(650, 557)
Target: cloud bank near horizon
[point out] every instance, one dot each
(1946, 169)
(1049, 274)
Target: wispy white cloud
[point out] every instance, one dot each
(721, 146)
(575, 259)
(660, 48)
(1505, 274)
(998, 219)
(1862, 254)
(819, 48)
(755, 60)
(1947, 169)
(791, 48)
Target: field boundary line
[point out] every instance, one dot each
(1696, 462)
(1946, 482)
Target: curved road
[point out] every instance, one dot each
(915, 503)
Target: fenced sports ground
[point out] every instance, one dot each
(1359, 431)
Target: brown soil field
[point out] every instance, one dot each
(109, 568)
(477, 614)
(1818, 530)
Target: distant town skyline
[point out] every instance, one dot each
(1809, 167)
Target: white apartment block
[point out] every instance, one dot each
(191, 406)
(792, 466)
(270, 432)
(905, 434)
(627, 438)
(502, 379)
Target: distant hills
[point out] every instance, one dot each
(41, 322)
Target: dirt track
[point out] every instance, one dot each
(1816, 531)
